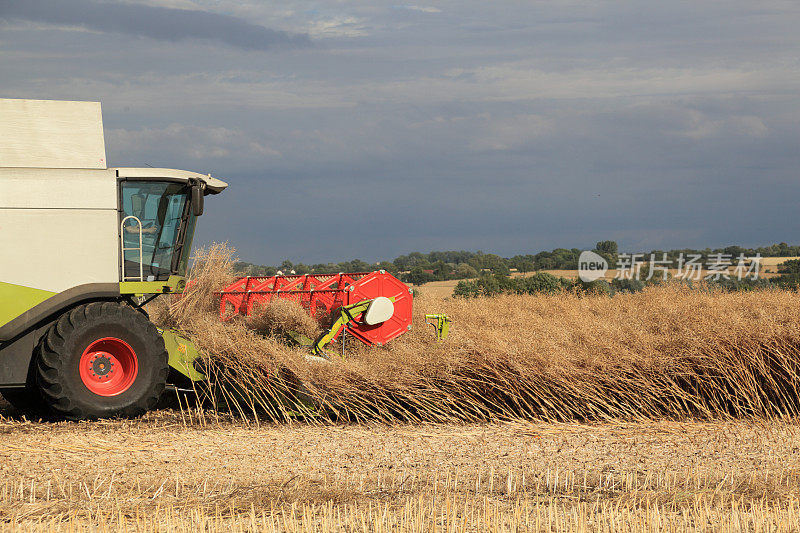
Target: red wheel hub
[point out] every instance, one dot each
(108, 366)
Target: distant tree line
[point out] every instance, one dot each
(418, 268)
(546, 283)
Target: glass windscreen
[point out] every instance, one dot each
(153, 210)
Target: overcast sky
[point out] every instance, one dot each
(362, 129)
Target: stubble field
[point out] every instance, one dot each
(177, 471)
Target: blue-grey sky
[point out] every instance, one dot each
(363, 129)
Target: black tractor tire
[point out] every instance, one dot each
(82, 349)
(26, 401)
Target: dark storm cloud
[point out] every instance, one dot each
(151, 21)
(460, 126)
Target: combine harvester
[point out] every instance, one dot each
(85, 247)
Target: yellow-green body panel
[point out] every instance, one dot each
(182, 354)
(16, 299)
(175, 284)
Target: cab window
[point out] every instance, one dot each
(153, 210)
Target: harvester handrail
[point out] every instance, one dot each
(123, 249)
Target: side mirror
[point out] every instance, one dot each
(197, 200)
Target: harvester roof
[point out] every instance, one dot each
(213, 185)
(51, 134)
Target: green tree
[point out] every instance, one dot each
(418, 276)
(608, 250)
(463, 270)
(627, 285)
(286, 266)
(440, 270)
(541, 282)
(466, 289)
(792, 266)
(491, 285)
(526, 266)
(596, 287)
(388, 266)
(608, 247)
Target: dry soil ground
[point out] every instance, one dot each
(171, 470)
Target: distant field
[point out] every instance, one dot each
(169, 471)
(768, 262)
(445, 288)
(437, 288)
